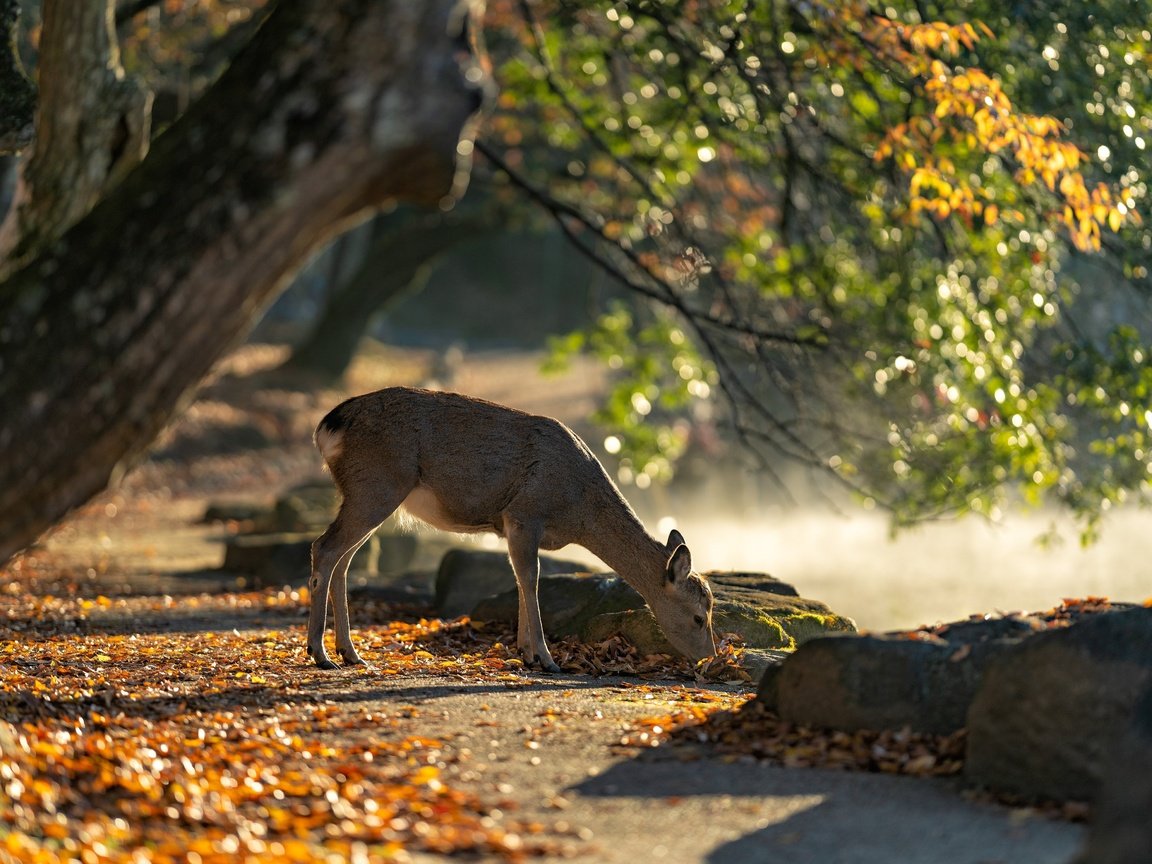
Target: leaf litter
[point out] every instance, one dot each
(203, 745)
(210, 745)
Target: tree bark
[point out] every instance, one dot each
(399, 256)
(92, 122)
(334, 107)
(17, 93)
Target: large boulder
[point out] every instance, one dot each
(767, 613)
(269, 560)
(285, 558)
(277, 551)
(762, 611)
(255, 512)
(308, 507)
(468, 576)
(568, 601)
(925, 681)
(1120, 831)
(1049, 712)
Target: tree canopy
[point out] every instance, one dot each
(906, 242)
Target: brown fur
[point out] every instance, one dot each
(466, 465)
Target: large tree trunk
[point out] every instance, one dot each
(403, 249)
(335, 107)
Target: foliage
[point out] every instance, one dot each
(176, 44)
(650, 415)
(873, 223)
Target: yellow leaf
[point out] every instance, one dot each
(991, 213)
(1115, 220)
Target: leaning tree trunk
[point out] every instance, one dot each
(335, 107)
(400, 255)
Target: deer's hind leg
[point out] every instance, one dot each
(331, 554)
(524, 552)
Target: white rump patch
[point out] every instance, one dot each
(331, 443)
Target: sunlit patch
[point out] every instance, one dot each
(751, 730)
(218, 744)
(214, 745)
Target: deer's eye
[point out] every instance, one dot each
(700, 620)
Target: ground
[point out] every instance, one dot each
(161, 711)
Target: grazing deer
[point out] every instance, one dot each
(466, 465)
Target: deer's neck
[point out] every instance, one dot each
(620, 541)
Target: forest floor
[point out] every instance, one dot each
(161, 711)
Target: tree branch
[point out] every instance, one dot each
(665, 293)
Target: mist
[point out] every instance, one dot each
(933, 573)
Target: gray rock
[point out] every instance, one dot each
(638, 626)
(1049, 712)
(764, 612)
(468, 576)
(237, 511)
(757, 661)
(388, 551)
(412, 588)
(736, 584)
(567, 602)
(881, 682)
(269, 559)
(771, 619)
(1120, 831)
(309, 507)
(285, 558)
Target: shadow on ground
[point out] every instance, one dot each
(817, 816)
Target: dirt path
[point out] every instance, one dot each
(627, 804)
(118, 640)
(554, 767)
(540, 756)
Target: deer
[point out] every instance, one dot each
(466, 465)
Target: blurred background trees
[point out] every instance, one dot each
(906, 245)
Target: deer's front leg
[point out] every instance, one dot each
(344, 646)
(524, 552)
(331, 554)
(318, 584)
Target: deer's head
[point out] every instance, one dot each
(683, 605)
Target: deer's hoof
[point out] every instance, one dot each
(351, 658)
(323, 661)
(544, 664)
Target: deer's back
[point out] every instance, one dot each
(477, 459)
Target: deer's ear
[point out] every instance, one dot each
(679, 565)
(675, 538)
